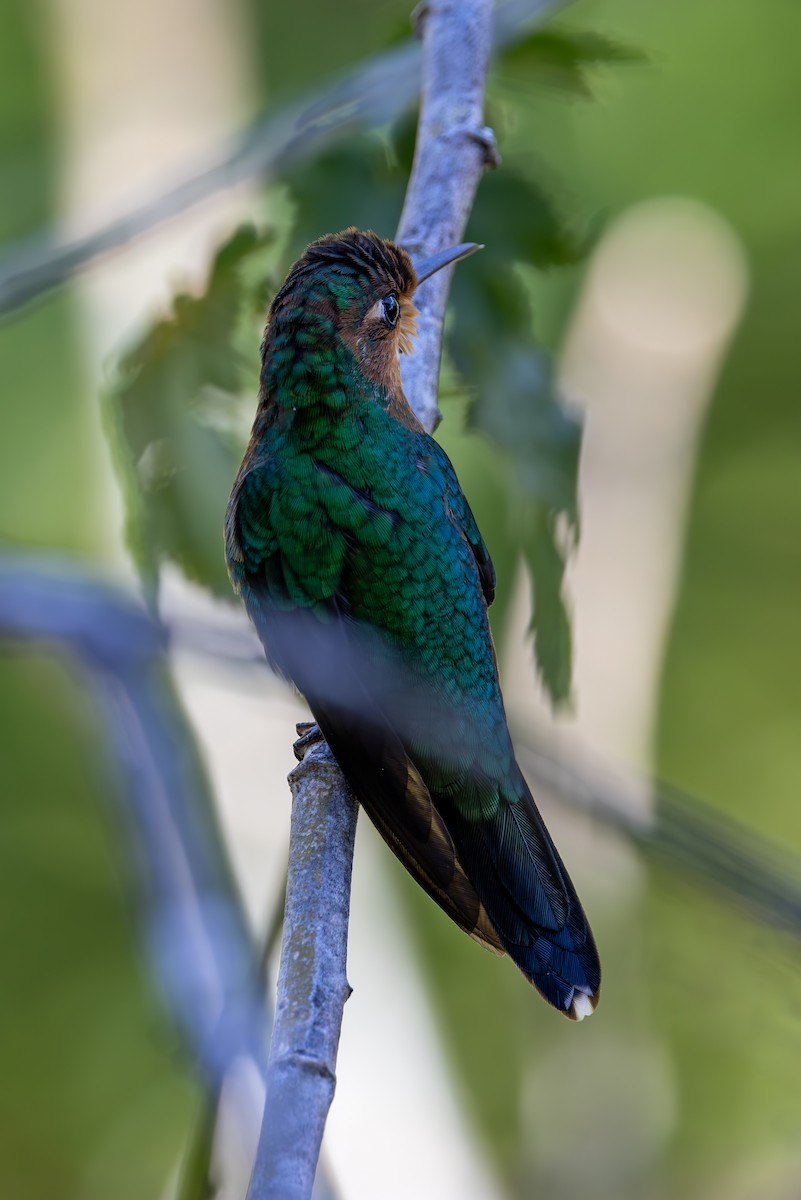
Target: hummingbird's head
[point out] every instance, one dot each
(348, 297)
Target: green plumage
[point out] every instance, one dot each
(361, 565)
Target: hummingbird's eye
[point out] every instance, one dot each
(390, 309)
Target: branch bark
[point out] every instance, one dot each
(312, 983)
(453, 148)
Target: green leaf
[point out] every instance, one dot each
(174, 414)
(518, 220)
(560, 58)
(550, 624)
(517, 406)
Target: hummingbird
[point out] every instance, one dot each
(361, 566)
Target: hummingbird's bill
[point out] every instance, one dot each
(429, 266)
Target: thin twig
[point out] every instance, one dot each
(374, 93)
(683, 832)
(312, 986)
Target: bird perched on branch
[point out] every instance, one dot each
(359, 561)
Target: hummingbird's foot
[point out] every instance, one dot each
(308, 735)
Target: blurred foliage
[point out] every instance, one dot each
(518, 407)
(172, 413)
(92, 1067)
(62, 461)
(563, 58)
(87, 1069)
(683, 1085)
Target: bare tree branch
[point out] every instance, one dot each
(312, 983)
(453, 147)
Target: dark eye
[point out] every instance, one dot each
(391, 309)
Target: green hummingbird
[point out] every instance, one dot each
(359, 561)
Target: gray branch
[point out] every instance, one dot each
(312, 983)
(452, 150)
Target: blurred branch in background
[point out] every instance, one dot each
(194, 928)
(375, 93)
(684, 832)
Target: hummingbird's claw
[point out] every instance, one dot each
(308, 735)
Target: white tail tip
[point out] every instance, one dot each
(582, 1006)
